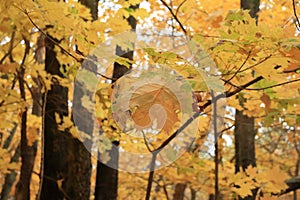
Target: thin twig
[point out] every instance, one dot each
(146, 143)
(296, 16)
(11, 47)
(251, 66)
(239, 70)
(276, 85)
(268, 87)
(80, 60)
(179, 6)
(174, 15)
(226, 129)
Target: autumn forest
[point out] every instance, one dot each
(150, 99)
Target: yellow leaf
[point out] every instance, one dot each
(251, 171)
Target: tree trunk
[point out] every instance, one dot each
(55, 146)
(79, 157)
(92, 5)
(193, 194)
(244, 141)
(107, 177)
(244, 132)
(11, 177)
(179, 191)
(252, 5)
(244, 126)
(28, 152)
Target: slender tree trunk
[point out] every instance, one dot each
(244, 132)
(193, 194)
(55, 151)
(28, 152)
(107, 177)
(296, 174)
(31, 149)
(11, 177)
(179, 191)
(79, 157)
(216, 157)
(252, 6)
(244, 141)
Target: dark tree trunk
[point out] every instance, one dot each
(55, 145)
(244, 126)
(193, 194)
(107, 177)
(252, 5)
(28, 151)
(92, 5)
(244, 132)
(179, 191)
(244, 141)
(79, 157)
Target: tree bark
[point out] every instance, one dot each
(252, 6)
(79, 158)
(179, 191)
(107, 177)
(55, 146)
(244, 132)
(193, 194)
(28, 152)
(244, 141)
(92, 5)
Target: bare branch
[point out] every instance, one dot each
(179, 6)
(11, 47)
(296, 16)
(247, 68)
(276, 85)
(146, 143)
(174, 15)
(239, 70)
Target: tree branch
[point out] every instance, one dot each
(80, 60)
(11, 47)
(268, 87)
(239, 70)
(296, 16)
(174, 15)
(179, 6)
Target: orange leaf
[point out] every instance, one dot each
(152, 103)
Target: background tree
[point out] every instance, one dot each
(107, 177)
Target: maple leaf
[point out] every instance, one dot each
(244, 190)
(153, 102)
